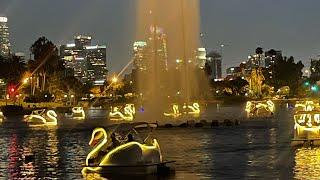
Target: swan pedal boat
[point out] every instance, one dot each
(306, 128)
(41, 117)
(129, 158)
(260, 109)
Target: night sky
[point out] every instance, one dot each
(292, 26)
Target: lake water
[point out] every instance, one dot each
(255, 149)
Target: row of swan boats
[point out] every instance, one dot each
(48, 117)
(306, 119)
(123, 149)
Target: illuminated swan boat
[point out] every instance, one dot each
(125, 113)
(193, 109)
(121, 155)
(78, 113)
(260, 108)
(306, 106)
(1, 116)
(42, 117)
(306, 123)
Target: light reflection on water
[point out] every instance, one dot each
(307, 163)
(255, 149)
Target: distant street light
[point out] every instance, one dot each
(26, 80)
(114, 79)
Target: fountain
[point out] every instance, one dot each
(168, 78)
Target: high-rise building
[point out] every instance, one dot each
(152, 52)
(97, 68)
(80, 68)
(233, 72)
(255, 61)
(4, 37)
(214, 59)
(201, 58)
(140, 55)
(81, 41)
(271, 57)
(160, 47)
(87, 61)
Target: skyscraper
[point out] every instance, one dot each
(153, 52)
(4, 37)
(87, 61)
(140, 55)
(96, 60)
(201, 58)
(158, 47)
(81, 41)
(271, 57)
(214, 59)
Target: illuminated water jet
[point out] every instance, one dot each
(170, 31)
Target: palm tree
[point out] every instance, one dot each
(45, 60)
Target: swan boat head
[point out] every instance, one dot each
(98, 141)
(42, 117)
(98, 134)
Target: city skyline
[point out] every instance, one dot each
(284, 28)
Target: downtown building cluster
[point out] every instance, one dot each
(156, 45)
(143, 53)
(263, 60)
(85, 61)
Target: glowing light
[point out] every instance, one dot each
(49, 118)
(78, 113)
(307, 124)
(3, 19)
(127, 114)
(306, 106)
(175, 111)
(314, 88)
(254, 108)
(186, 109)
(25, 81)
(114, 79)
(1, 116)
(71, 45)
(150, 153)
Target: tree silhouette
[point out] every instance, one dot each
(287, 73)
(45, 62)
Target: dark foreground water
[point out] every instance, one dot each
(255, 149)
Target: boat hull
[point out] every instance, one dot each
(148, 169)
